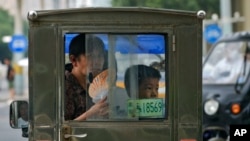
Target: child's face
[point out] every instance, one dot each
(149, 88)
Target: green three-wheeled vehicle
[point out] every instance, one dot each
(168, 41)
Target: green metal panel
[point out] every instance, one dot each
(189, 66)
(42, 79)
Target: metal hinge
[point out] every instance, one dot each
(173, 43)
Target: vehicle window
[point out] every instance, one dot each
(115, 76)
(227, 64)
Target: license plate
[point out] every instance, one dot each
(146, 108)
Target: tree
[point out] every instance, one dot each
(210, 6)
(6, 28)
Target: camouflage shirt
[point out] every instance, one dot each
(75, 97)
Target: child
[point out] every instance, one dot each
(143, 78)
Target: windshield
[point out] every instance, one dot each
(227, 64)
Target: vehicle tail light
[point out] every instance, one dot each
(235, 108)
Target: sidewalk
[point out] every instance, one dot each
(4, 96)
(4, 92)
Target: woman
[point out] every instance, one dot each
(86, 54)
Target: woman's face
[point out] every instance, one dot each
(95, 61)
(80, 64)
(91, 63)
(149, 88)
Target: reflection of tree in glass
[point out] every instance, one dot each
(159, 65)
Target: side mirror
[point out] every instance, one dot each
(18, 117)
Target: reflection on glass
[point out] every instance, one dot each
(227, 64)
(19, 114)
(23, 115)
(104, 92)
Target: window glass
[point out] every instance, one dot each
(227, 64)
(115, 76)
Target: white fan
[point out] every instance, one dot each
(99, 88)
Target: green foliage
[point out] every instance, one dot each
(6, 28)
(210, 6)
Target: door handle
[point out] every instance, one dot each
(77, 136)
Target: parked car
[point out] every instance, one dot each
(226, 86)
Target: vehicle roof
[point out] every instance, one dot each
(131, 9)
(241, 35)
(114, 16)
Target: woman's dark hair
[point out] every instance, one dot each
(139, 73)
(78, 46)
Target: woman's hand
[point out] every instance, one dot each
(100, 108)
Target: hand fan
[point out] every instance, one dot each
(98, 89)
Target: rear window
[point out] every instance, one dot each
(126, 69)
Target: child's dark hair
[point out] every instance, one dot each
(139, 73)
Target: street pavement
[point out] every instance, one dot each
(7, 133)
(4, 96)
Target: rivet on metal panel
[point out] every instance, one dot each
(201, 14)
(32, 15)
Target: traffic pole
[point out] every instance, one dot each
(226, 14)
(18, 30)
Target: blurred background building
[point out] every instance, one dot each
(19, 9)
(243, 7)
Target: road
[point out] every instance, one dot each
(7, 133)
